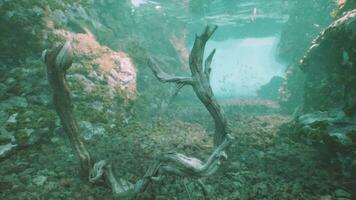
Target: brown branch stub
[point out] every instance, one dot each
(167, 78)
(197, 54)
(208, 32)
(208, 61)
(164, 77)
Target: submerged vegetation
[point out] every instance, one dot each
(96, 117)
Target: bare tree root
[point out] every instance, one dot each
(59, 59)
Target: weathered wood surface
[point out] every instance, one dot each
(200, 81)
(58, 61)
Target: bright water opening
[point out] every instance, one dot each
(241, 66)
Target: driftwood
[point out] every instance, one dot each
(199, 81)
(58, 61)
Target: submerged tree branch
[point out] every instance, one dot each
(59, 59)
(164, 77)
(201, 84)
(197, 54)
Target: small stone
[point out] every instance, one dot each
(19, 101)
(326, 197)
(7, 134)
(12, 118)
(340, 193)
(91, 198)
(40, 180)
(91, 130)
(235, 195)
(24, 179)
(21, 137)
(7, 149)
(10, 82)
(18, 189)
(33, 136)
(97, 105)
(51, 186)
(55, 139)
(264, 124)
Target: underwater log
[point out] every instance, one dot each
(58, 61)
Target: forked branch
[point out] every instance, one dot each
(197, 54)
(59, 59)
(201, 86)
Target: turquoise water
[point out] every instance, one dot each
(92, 103)
(241, 66)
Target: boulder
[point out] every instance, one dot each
(334, 129)
(334, 134)
(329, 68)
(327, 118)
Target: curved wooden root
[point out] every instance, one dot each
(178, 164)
(59, 59)
(183, 166)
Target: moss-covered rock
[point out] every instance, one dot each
(329, 66)
(327, 116)
(306, 19)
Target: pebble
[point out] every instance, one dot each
(40, 180)
(12, 118)
(342, 194)
(55, 139)
(6, 149)
(10, 82)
